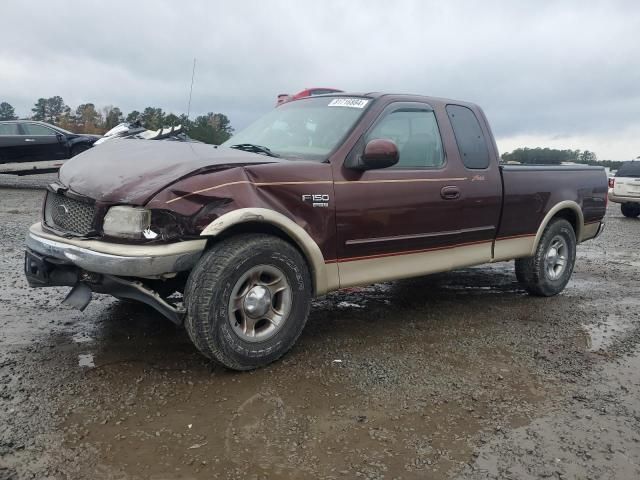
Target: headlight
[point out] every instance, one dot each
(127, 222)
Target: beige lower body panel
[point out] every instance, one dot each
(393, 267)
(589, 231)
(510, 248)
(333, 278)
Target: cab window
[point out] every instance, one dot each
(415, 132)
(469, 137)
(35, 129)
(9, 129)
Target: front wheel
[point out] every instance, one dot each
(631, 210)
(247, 300)
(548, 271)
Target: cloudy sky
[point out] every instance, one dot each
(548, 73)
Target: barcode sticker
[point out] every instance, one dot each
(348, 102)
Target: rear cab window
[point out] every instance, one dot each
(470, 139)
(629, 169)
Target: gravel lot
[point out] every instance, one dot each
(459, 375)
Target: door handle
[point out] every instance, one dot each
(450, 192)
(29, 139)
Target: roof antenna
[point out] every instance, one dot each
(193, 74)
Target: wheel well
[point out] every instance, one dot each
(570, 216)
(261, 227)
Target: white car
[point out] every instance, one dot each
(624, 188)
(135, 130)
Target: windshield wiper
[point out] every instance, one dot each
(250, 147)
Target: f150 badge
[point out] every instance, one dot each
(316, 199)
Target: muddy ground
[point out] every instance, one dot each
(459, 375)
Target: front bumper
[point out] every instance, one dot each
(102, 267)
(146, 261)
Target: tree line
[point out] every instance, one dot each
(553, 156)
(213, 128)
(216, 128)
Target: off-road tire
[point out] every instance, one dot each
(630, 210)
(209, 288)
(531, 271)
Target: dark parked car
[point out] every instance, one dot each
(24, 142)
(321, 193)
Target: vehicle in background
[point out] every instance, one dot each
(312, 92)
(320, 194)
(283, 98)
(28, 146)
(307, 92)
(624, 189)
(136, 130)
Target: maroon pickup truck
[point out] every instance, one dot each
(320, 194)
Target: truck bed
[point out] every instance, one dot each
(532, 191)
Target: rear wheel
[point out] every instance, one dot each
(247, 301)
(631, 210)
(548, 271)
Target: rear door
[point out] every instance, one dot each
(627, 183)
(43, 143)
(11, 142)
(479, 214)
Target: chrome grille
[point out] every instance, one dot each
(68, 214)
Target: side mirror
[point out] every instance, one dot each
(60, 137)
(378, 153)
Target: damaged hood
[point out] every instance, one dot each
(131, 171)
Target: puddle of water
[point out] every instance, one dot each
(601, 335)
(86, 360)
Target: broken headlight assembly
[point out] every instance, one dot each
(127, 222)
(138, 223)
(168, 226)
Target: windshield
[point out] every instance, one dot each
(310, 128)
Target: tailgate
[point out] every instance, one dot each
(627, 187)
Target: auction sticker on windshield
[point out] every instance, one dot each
(348, 102)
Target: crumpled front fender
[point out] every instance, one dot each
(273, 194)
